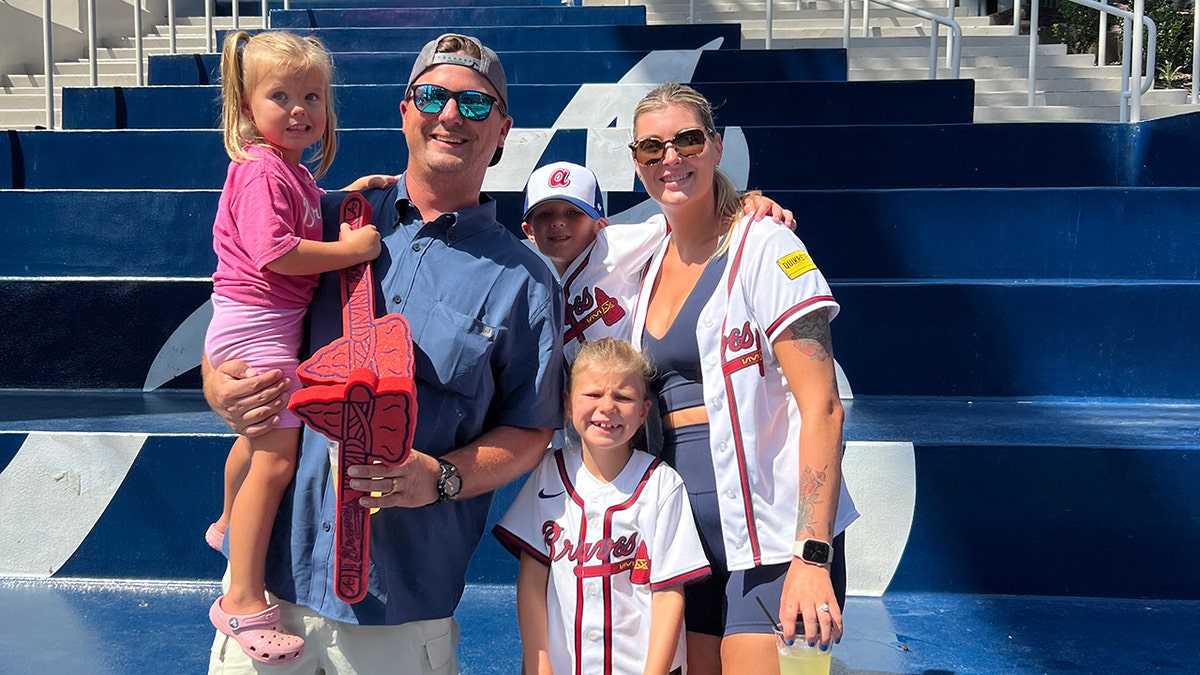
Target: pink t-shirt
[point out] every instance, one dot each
(266, 207)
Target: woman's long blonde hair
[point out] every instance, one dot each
(728, 197)
(244, 60)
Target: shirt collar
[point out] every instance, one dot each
(461, 223)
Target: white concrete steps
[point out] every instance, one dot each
(23, 97)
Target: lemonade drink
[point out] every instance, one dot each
(803, 660)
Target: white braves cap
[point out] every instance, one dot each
(567, 182)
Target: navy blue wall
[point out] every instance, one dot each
(544, 67)
(533, 106)
(782, 158)
(510, 38)
(632, 15)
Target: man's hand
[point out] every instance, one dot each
(248, 402)
(758, 206)
(410, 484)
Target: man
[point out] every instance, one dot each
(486, 325)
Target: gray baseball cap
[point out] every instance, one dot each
(487, 65)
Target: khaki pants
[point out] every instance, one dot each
(335, 648)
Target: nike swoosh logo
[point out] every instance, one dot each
(542, 494)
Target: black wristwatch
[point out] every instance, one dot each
(813, 551)
(449, 483)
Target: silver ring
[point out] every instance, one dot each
(824, 607)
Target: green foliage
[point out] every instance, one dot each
(1080, 24)
(1078, 28)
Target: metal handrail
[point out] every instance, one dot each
(93, 63)
(48, 61)
(954, 39)
(1130, 96)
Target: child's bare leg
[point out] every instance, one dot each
(272, 468)
(237, 465)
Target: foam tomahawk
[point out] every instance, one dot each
(359, 392)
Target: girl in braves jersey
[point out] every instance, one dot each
(605, 535)
(736, 319)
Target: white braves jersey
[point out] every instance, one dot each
(608, 546)
(768, 283)
(601, 283)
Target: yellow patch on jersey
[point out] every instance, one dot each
(795, 264)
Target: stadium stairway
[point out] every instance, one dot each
(1070, 87)
(1019, 302)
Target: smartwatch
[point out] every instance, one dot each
(449, 483)
(813, 551)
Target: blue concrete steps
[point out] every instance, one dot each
(629, 15)
(375, 106)
(1064, 462)
(510, 38)
(113, 622)
(1018, 304)
(545, 67)
(852, 157)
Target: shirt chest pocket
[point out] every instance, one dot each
(456, 348)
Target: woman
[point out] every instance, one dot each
(736, 320)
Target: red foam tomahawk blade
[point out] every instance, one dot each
(360, 393)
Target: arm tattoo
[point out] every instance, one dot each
(811, 483)
(810, 336)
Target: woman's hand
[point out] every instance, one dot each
(808, 608)
(374, 180)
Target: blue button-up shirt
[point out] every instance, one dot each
(486, 322)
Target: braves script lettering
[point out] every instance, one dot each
(741, 339)
(582, 553)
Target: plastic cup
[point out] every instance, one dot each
(800, 659)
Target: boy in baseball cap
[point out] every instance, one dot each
(600, 267)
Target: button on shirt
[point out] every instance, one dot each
(487, 345)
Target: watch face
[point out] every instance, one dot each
(817, 551)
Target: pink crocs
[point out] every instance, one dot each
(259, 635)
(215, 537)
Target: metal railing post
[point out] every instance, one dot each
(770, 21)
(866, 18)
(1195, 41)
(171, 25)
(237, 21)
(1126, 60)
(208, 26)
(137, 40)
(949, 35)
(48, 62)
(691, 11)
(1033, 44)
(93, 66)
(1016, 18)
(846, 23)
(1135, 66)
(933, 49)
(1102, 40)
(265, 19)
